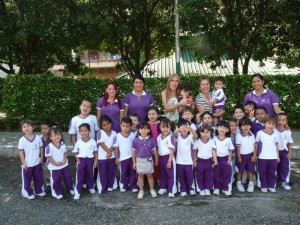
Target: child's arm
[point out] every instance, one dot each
(95, 159)
(155, 157)
(254, 157)
(76, 158)
(289, 155)
(108, 150)
(195, 135)
(213, 102)
(22, 158)
(198, 118)
(134, 159)
(65, 158)
(169, 164)
(238, 153)
(214, 155)
(176, 132)
(41, 155)
(229, 158)
(195, 158)
(73, 139)
(51, 160)
(117, 155)
(277, 150)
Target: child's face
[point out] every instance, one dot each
(84, 132)
(238, 114)
(187, 115)
(106, 126)
(260, 115)
(233, 127)
(152, 116)
(186, 92)
(219, 84)
(27, 129)
(85, 108)
(282, 120)
(45, 130)
(222, 131)
(144, 132)
(55, 137)
(269, 126)
(184, 129)
(135, 122)
(165, 130)
(248, 108)
(125, 128)
(205, 134)
(246, 128)
(207, 119)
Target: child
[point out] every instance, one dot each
(154, 126)
(166, 149)
(207, 118)
(205, 160)
(143, 151)
(184, 161)
(246, 157)
(56, 153)
(233, 131)
(185, 95)
(188, 114)
(249, 108)
(218, 100)
(106, 137)
(268, 155)
(31, 156)
(224, 148)
(285, 150)
(86, 155)
(260, 119)
(238, 113)
(83, 117)
(135, 122)
(123, 151)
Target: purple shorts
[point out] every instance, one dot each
(246, 163)
(214, 109)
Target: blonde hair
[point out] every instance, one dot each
(168, 89)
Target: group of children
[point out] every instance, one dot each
(195, 157)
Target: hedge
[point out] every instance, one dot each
(39, 97)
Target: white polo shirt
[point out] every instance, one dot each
(85, 149)
(268, 144)
(57, 154)
(184, 150)
(204, 148)
(125, 145)
(246, 143)
(285, 138)
(108, 140)
(165, 145)
(223, 146)
(31, 149)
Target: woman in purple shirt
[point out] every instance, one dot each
(262, 96)
(111, 105)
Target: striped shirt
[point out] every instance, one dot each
(200, 100)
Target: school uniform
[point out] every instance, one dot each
(257, 126)
(220, 96)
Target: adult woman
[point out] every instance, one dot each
(203, 99)
(170, 98)
(111, 105)
(138, 101)
(262, 96)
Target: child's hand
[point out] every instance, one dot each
(251, 114)
(134, 166)
(229, 162)
(239, 159)
(214, 164)
(211, 105)
(278, 159)
(41, 161)
(95, 163)
(78, 161)
(169, 164)
(195, 163)
(117, 161)
(289, 156)
(253, 158)
(24, 165)
(108, 155)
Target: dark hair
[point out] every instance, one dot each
(205, 127)
(143, 125)
(139, 77)
(260, 107)
(185, 86)
(47, 123)
(55, 130)
(105, 98)
(153, 108)
(187, 109)
(135, 115)
(251, 103)
(127, 120)
(206, 113)
(245, 121)
(257, 75)
(271, 118)
(165, 122)
(85, 125)
(183, 122)
(223, 123)
(87, 100)
(238, 107)
(282, 114)
(104, 118)
(231, 119)
(220, 78)
(29, 122)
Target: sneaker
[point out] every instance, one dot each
(183, 194)
(171, 195)
(162, 191)
(72, 192)
(207, 192)
(77, 196)
(227, 193)
(202, 193)
(192, 192)
(140, 195)
(31, 197)
(240, 186)
(216, 192)
(92, 191)
(273, 190)
(153, 193)
(41, 194)
(110, 189)
(135, 190)
(122, 190)
(48, 189)
(264, 190)
(59, 197)
(250, 187)
(286, 186)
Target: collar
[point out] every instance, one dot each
(265, 91)
(116, 100)
(144, 93)
(143, 139)
(249, 134)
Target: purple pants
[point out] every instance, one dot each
(246, 164)
(267, 172)
(85, 174)
(185, 176)
(284, 167)
(127, 175)
(167, 175)
(56, 187)
(222, 174)
(107, 173)
(35, 173)
(204, 174)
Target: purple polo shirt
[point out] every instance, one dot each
(143, 147)
(112, 111)
(139, 105)
(256, 126)
(267, 99)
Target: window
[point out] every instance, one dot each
(101, 71)
(110, 70)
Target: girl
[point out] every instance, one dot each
(238, 113)
(85, 153)
(143, 150)
(233, 131)
(207, 118)
(224, 147)
(259, 123)
(31, 156)
(185, 135)
(285, 150)
(56, 153)
(166, 149)
(153, 122)
(205, 160)
(106, 180)
(246, 157)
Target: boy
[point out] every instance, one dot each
(260, 119)
(185, 95)
(249, 108)
(187, 114)
(218, 100)
(135, 121)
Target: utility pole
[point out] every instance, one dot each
(178, 70)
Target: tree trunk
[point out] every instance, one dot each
(235, 66)
(246, 64)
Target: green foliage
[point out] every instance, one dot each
(49, 97)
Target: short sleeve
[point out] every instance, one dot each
(48, 152)
(153, 144)
(258, 136)
(99, 136)
(122, 106)
(213, 145)
(20, 145)
(72, 128)
(231, 147)
(274, 98)
(99, 103)
(246, 99)
(134, 144)
(220, 94)
(290, 139)
(126, 100)
(76, 148)
(171, 144)
(238, 140)
(65, 149)
(96, 123)
(114, 138)
(116, 143)
(151, 99)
